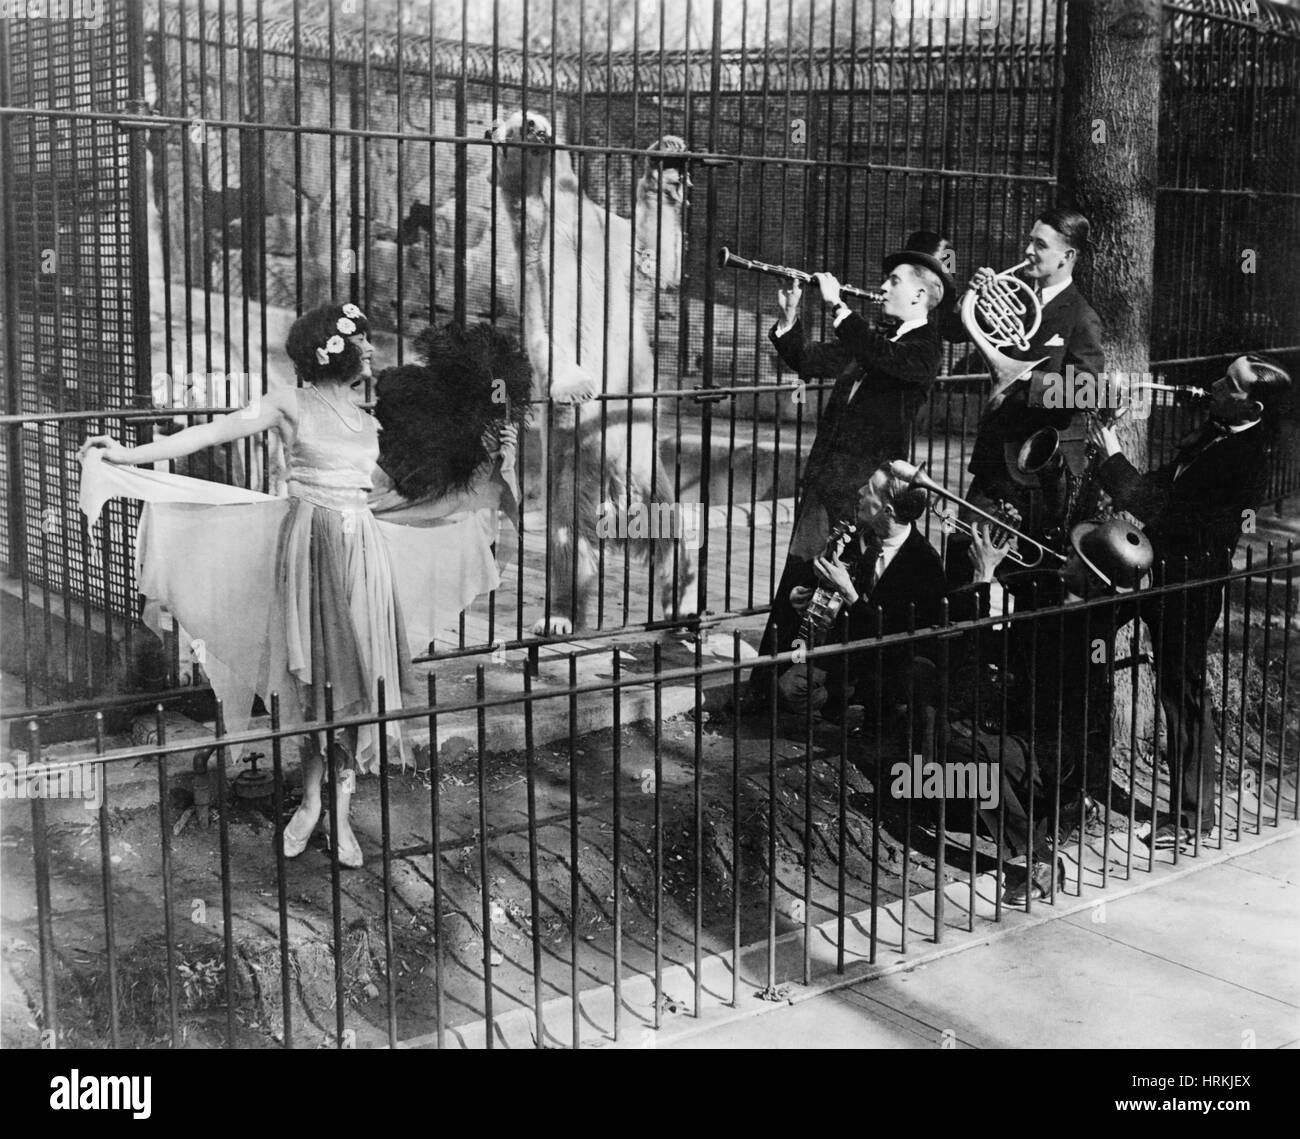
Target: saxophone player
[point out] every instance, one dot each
(1193, 508)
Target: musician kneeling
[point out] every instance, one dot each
(890, 569)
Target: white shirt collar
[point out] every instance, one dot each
(1050, 292)
(896, 541)
(907, 326)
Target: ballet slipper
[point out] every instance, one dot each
(349, 849)
(298, 831)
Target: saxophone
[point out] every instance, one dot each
(1084, 496)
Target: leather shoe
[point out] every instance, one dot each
(1037, 885)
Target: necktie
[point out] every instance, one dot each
(870, 563)
(1197, 443)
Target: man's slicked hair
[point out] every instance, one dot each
(909, 502)
(1070, 224)
(1270, 383)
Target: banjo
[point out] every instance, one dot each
(826, 601)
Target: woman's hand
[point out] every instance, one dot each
(502, 440)
(110, 449)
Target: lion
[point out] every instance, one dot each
(584, 331)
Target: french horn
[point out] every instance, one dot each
(1004, 313)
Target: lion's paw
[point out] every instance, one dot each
(579, 391)
(555, 626)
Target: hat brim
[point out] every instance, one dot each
(924, 261)
(1077, 535)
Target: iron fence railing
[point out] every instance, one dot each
(551, 873)
(276, 163)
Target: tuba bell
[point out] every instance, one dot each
(1003, 314)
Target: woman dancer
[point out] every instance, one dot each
(330, 611)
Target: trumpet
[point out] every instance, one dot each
(918, 478)
(729, 260)
(1003, 314)
(952, 524)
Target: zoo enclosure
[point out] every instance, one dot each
(731, 841)
(245, 169)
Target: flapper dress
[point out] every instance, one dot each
(281, 595)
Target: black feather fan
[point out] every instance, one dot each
(434, 414)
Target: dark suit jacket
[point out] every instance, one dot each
(854, 437)
(1067, 318)
(1200, 511)
(913, 578)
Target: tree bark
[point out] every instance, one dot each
(1109, 132)
(1109, 137)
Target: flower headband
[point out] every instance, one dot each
(346, 324)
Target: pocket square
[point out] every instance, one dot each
(1055, 342)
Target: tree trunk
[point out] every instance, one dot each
(1109, 136)
(1110, 113)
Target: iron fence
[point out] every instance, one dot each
(588, 878)
(263, 161)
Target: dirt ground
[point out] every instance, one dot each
(574, 801)
(135, 846)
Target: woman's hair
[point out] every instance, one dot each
(318, 357)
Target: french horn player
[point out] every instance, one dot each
(1027, 323)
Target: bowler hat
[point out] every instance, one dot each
(924, 261)
(1115, 550)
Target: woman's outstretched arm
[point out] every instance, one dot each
(271, 410)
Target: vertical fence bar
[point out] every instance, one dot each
(573, 850)
(227, 895)
(617, 726)
(1263, 699)
(336, 890)
(169, 925)
(281, 885)
(489, 1024)
(659, 830)
(534, 898)
(435, 836)
(878, 778)
(1284, 694)
(44, 913)
(106, 878)
(1241, 710)
(773, 698)
(386, 853)
(697, 828)
(842, 803)
(806, 922)
(735, 819)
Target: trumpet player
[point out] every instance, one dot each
(1193, 508)
(881, 379)
(1069, 334)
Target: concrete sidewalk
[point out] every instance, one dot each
(1200, 958)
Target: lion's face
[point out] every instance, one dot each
(521, 171)
(668, 182)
